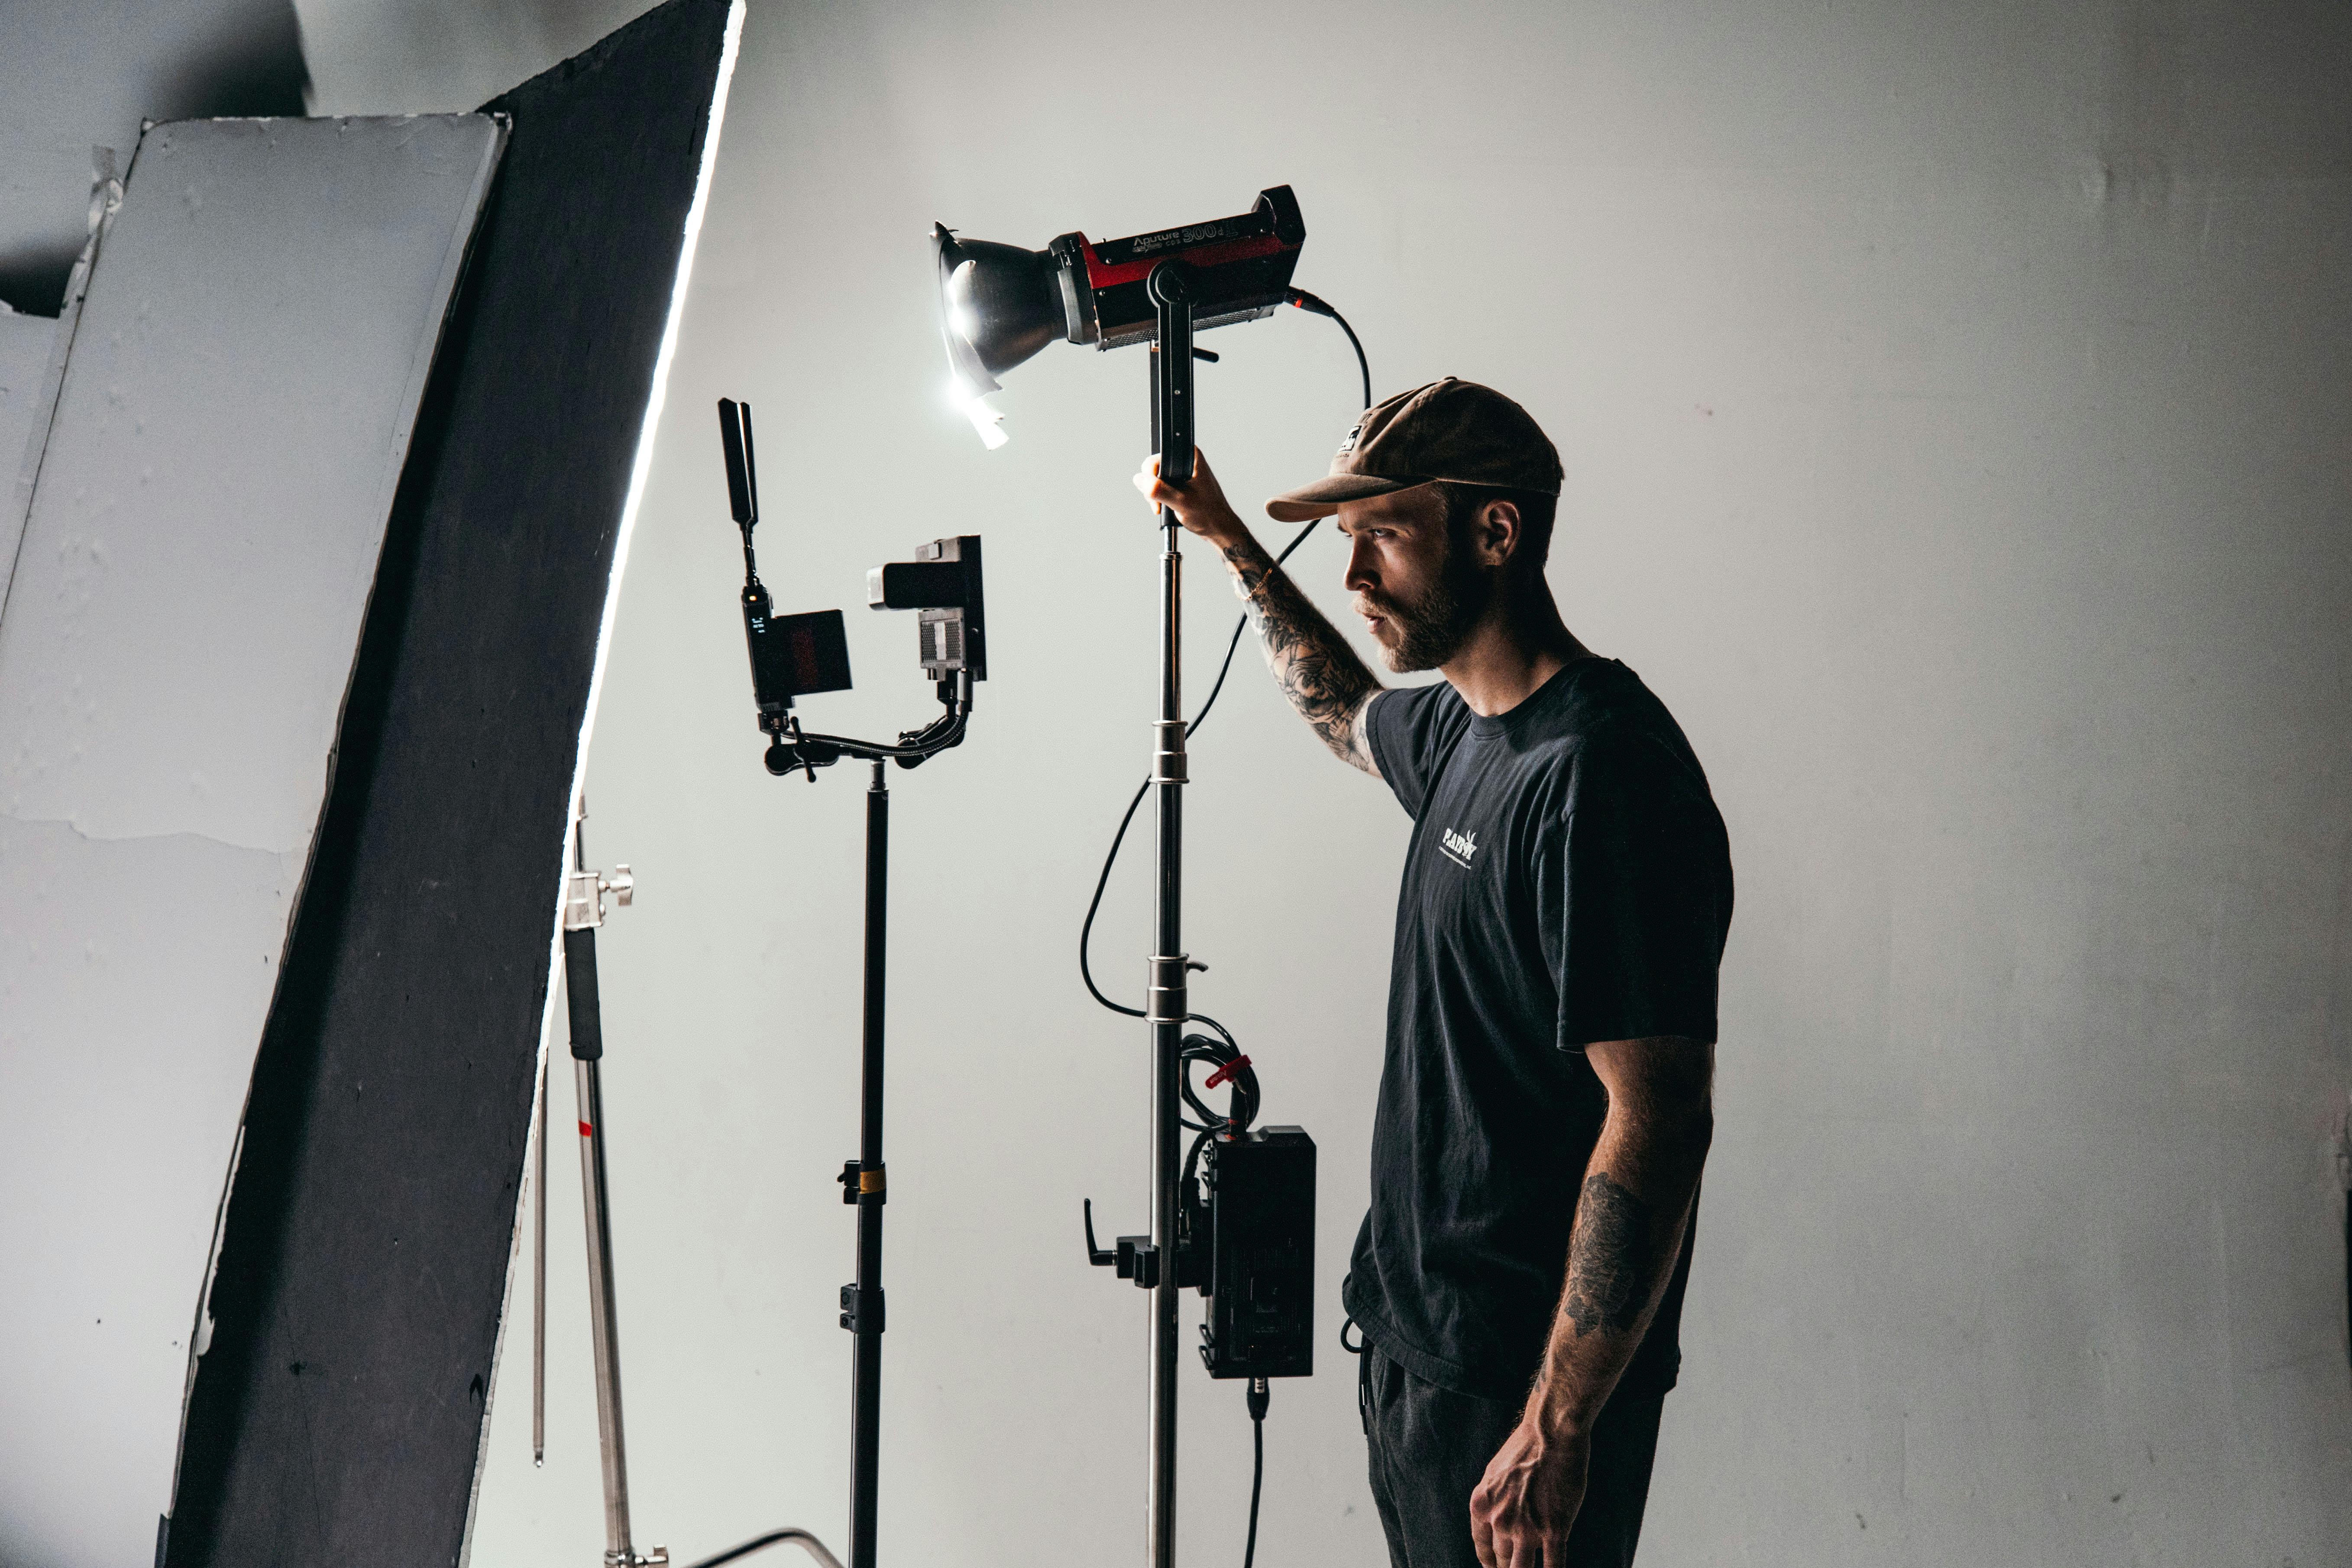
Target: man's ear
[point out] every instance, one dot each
(1496, 533)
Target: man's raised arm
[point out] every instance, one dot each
(1324, 681)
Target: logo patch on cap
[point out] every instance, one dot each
(1353, 437)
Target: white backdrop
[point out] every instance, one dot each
(1952, 405)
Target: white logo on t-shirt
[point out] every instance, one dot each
(1458, 847)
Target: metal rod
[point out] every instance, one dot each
(1167, 1045)
(865, 1316)
(539, 1277)
(1165, 997)
(604, 1328)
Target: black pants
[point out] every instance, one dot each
(1430, 1447)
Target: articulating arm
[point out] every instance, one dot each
(790, 749)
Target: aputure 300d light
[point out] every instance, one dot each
(1251, 1245)
(1001, 304)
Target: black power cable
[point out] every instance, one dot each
(1309, 303)
(1257, 1402)
(1241, 1112)
(800, 1538)
(1305, 302)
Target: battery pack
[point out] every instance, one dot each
(1261, 1274)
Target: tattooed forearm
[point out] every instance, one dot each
(1611, 1262)
(1630, 1218)
(1312, 663)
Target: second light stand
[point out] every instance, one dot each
(794, 657)
(865, 1181)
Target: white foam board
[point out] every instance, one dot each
(175, 652)
(25, 342)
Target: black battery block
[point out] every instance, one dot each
(1261, 1274)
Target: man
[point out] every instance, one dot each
(1545, 1102)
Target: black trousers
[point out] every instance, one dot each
(1430, 1447)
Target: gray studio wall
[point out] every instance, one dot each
(1952, 401)
(82, 75)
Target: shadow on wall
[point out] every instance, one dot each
(74, 77)
(33, 276)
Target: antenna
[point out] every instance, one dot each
(742, 473)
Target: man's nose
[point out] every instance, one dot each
(1361, 572)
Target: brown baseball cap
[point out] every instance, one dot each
(1451, 429)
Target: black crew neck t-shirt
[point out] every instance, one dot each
(1568, 881)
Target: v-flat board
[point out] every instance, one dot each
(24, 345)
(338, 1416)
(174, 653)
(24, 357)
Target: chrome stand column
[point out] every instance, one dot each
(601, 1329)
(539, 1276)
(583, 911)
(1164, 1010)
(1166, 1004)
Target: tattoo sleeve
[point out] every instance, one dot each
(1312, 663)
(1611, 1262)
(1631, 1214)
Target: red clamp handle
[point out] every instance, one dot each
(1225, 1072)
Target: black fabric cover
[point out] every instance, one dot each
(337, 1416)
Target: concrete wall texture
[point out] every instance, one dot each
(1952, 405)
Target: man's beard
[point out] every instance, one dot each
(1432, 628)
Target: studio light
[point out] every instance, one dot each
(1001, 305)
(1247, 1242)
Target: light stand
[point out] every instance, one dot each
(793, 657)
(583, 911)
(1166, 1004)
(1000, 305)
(539, 1279)
(865, 1181)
